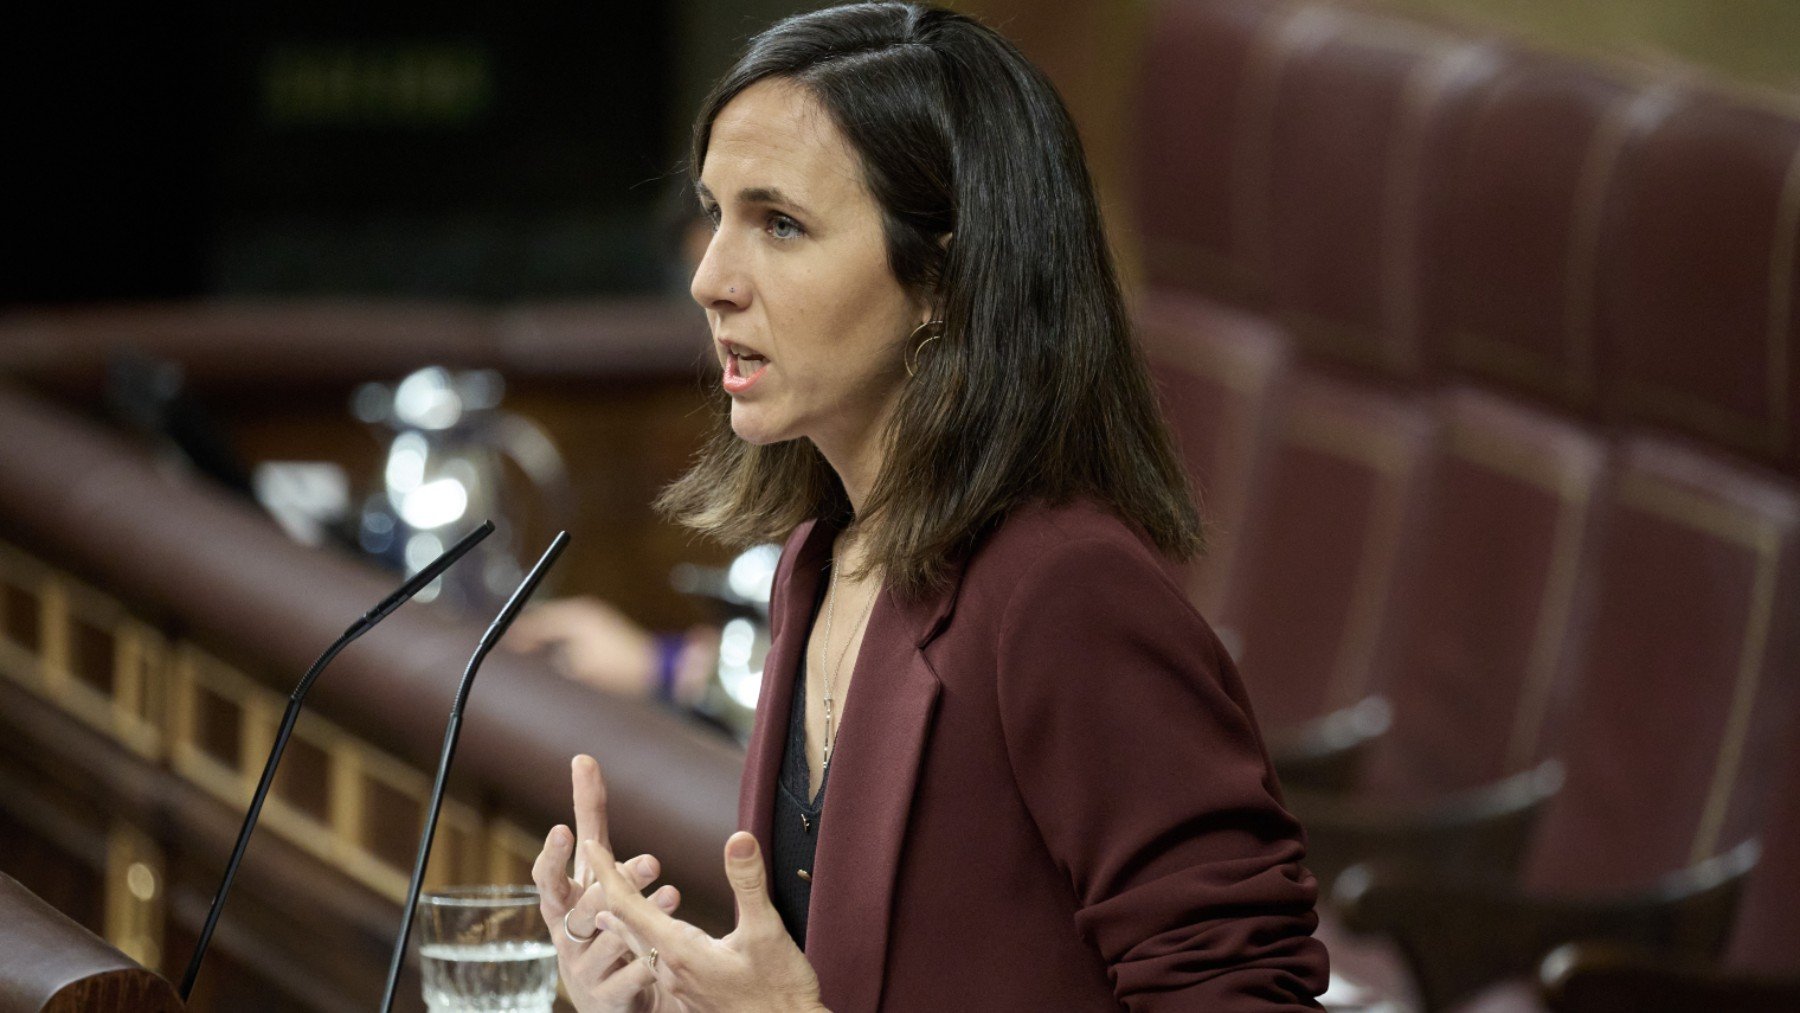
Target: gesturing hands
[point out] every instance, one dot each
(756, 967)
(638, 957)
(598, 969)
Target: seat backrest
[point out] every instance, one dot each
(1514, 226)
(1217, 373)
(1689, 671)
(1765, 934)
(1480, 667)
(1310, 602)
(1197, 58)
(1334, 179)
(1699, 304)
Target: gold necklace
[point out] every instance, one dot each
(832, 674)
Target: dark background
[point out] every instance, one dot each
(456, 148)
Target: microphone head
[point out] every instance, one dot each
(522, 594)
(431, 572)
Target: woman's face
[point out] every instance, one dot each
(807, 319)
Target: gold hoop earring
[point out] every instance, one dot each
(912, 353)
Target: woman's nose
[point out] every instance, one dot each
(718, 283)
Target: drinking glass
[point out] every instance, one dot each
(485, 948)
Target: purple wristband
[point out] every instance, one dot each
(668, 648)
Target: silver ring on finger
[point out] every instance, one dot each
(573, 938)
(650, 958)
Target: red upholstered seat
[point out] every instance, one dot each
(1311, 602)
(1515, 221)
(1761, 968)
(1765, 939)
(1478, 673)
(1692, 667)
(1689, 678)
(1337, 124)
(1218, 373)
(1698, 315)
(1197, 59)
(1482, 663)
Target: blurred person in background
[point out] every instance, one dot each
(999, 761)
(591, 641)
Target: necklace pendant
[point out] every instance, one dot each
(830, 731)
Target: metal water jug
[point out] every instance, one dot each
(452, 459)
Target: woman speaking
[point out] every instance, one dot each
(999, 762)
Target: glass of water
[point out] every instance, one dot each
(485, 948)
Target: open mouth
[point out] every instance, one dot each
(742, 369)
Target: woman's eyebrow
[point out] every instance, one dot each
(769, 195)
(757, 195)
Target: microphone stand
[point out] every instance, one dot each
(292, 714)
(452, 730)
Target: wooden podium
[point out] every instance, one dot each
(48, 962)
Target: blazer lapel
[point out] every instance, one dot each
(796, 584)
(874, 771)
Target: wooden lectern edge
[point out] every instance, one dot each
(49, 962)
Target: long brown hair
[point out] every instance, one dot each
(1035, 389)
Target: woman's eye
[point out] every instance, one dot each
(783, 227)
(711, 211)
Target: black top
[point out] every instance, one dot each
(796, 819)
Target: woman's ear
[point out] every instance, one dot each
(932, 301)
(928, 305)
(931, 309)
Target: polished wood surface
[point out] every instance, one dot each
(48, 962)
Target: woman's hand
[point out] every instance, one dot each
(598, 969)
(757, 967)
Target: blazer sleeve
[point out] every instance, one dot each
(1135, 751)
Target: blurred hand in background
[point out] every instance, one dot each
(591, 641)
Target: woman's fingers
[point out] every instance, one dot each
(645, 923)
(749, 884)
(625, 983)
(639, 873)
(597, 961)
(555, 891)
(567, 908)
(603, 962)
(594, 959)
(590, 810)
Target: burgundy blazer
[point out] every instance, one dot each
(1048, 791)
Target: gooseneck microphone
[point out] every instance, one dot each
(295, 700)
(452, 729)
